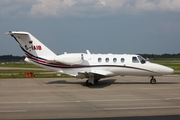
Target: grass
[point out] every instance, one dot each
(18, 65)
(22, 73)
(172, 63)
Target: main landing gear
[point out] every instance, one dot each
(88, 83)
(91, 82)
(153, 80)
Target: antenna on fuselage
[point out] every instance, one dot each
(87, 51)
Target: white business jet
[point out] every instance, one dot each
(87, 65)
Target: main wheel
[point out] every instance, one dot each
(88, 83)
(153, 80)
(96, 80)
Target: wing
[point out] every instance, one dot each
(96, 73)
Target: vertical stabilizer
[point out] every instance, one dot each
(31, 46)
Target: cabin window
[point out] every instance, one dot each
(122, 60)
(135, 60)
(99, 59)
(107, 60)
(114, 60)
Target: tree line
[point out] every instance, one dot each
(155, 56)
(11, 58)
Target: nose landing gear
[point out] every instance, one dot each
(153, 80)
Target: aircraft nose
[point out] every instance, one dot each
(166, 70)
(171, 71)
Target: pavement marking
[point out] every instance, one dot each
(41, 102)
(8, 111)
(127, 100)
(79, 101)
(139, 108)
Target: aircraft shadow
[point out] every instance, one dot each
(100, 84)
(106, 83)
(146, 83)
(160, 117)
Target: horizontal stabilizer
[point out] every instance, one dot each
(16, 32)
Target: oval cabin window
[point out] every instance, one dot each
(99, 59)
(122, 60)
(107, 60)
(114, 60)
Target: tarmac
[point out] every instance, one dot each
(127, 98)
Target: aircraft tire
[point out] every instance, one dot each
(96, 80)
(153, 80)
(88, 83)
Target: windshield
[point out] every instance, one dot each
(141, 59)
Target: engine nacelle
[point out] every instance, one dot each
(70, 59)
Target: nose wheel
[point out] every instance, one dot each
(153, 80)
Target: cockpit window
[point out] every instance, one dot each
(141, 59)
(135, 60)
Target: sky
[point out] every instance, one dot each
(101, 26)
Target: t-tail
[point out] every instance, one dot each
(35, 51)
